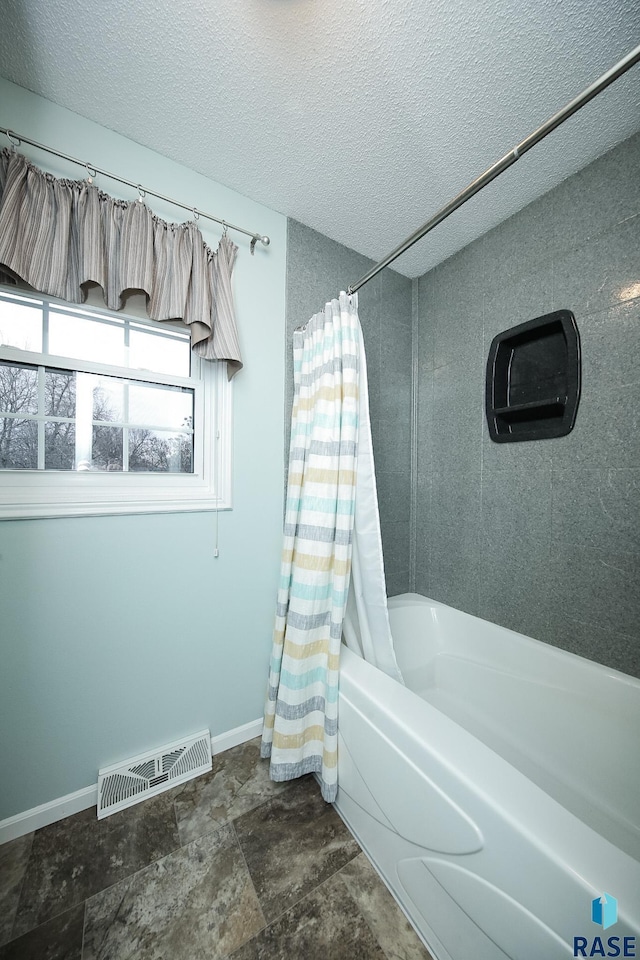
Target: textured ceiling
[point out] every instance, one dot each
(359, 118)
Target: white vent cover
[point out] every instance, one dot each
(123, 784)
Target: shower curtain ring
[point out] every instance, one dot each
(196, 215)
(141, 193)
(91, 173)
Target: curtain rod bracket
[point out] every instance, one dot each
(265, 241)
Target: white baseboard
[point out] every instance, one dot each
(224, 741)
(47, 813)
(54, 810)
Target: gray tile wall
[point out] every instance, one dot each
(542, 537)
(317, 269)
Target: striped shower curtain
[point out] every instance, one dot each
(300, 724)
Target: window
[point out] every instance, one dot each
(106, 413)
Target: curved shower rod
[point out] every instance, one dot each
(15, 139)
(501, 165)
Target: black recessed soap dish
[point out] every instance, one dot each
(533, 379)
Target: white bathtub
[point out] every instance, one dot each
(499, 792)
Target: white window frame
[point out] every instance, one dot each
(34, 494)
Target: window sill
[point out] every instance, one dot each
(36, 495)
(48, 511)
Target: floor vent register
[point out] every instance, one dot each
(123, 784)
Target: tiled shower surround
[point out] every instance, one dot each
(317, 270)
(541, 536)
(229, 865)
(544, 536)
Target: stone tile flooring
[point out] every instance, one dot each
(229, 865)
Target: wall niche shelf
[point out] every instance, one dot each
(533, 379)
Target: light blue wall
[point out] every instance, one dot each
(120, 633)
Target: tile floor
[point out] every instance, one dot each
(229, 865)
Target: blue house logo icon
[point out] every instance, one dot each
(604, 910)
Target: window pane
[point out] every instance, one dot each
(106, 449)
(85, 339)
(161, 354)
(159, 451)
(108, 398)
(21, 326)
(18, 444)
(57, 418)
(153, 405)
(18, 388)
(59, 446)
(60, 393)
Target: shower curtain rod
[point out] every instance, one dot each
(143, 191)
(494, 171)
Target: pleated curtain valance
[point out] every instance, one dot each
(59, 235)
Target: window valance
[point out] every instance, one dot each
(59, 235)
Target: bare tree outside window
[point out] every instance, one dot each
(18, 437)
(149, 450)
(59, 437)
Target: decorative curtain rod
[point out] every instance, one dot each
(501, 165)
(16, 140)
